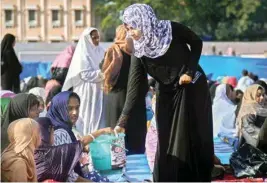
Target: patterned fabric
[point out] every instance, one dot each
(96, 177)
(156, 34)
(151, 146)
(61, 136)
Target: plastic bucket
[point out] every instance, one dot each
(100, 150)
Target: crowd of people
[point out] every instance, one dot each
(47, 125)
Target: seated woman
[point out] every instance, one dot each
(21, 106)
(17, 160)
(55, 162)
(224, 111)
(252, 104)
(252, 127)
(64, 113)
(262, 138)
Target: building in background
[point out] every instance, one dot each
(46, 20)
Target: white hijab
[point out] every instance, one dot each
(223, 111)
(86, 55)
(38, 91)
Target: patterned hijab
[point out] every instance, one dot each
(156, 34)
(114, 58)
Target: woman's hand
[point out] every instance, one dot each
(119, 129)
(107, 130)
(185, 79)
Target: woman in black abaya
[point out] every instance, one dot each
(10, 66)
(183, 107)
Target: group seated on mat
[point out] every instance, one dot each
(239, 127)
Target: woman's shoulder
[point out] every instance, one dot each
(61, 131)
(61, 136)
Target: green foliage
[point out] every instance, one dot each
(220, 19)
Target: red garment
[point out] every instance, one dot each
(232, 81)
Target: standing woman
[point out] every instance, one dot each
(183, 105)
(10, 66)
(116, 69)
(85, 77)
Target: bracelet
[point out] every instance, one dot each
(92, 137)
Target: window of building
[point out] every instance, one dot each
(32, 18)
(32, 41)
(55, 18)
(55, 41)
(9, 20)
(78, 18)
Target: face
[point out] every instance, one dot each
(95, 37)
(41, 107)
(14, 43)
(230, 93)
(73, 109)
(34, 112)
(134, 33)
(260, 96)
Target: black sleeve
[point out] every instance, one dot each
(136, 89)
(187, 36)
(4, 64)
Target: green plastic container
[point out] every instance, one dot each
(100, 150)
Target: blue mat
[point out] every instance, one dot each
(222, 150)
(136, 170)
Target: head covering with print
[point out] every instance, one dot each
(156, 34)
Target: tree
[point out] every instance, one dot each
(219, 19)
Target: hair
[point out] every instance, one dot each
(53, 92)
(255, 78)
(75, 95)
(91, 33)
(231, 87)
(239, 92)
(262, 83)
(41, 100)
(33, 100)
(152, 82)
(245, 72)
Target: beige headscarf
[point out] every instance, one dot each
(113, 59)
(17, 160)
(250, 105)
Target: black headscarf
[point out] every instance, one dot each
(18, 108)
(53, 92)
(34, 82)
(9, 58)
(55, 162)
